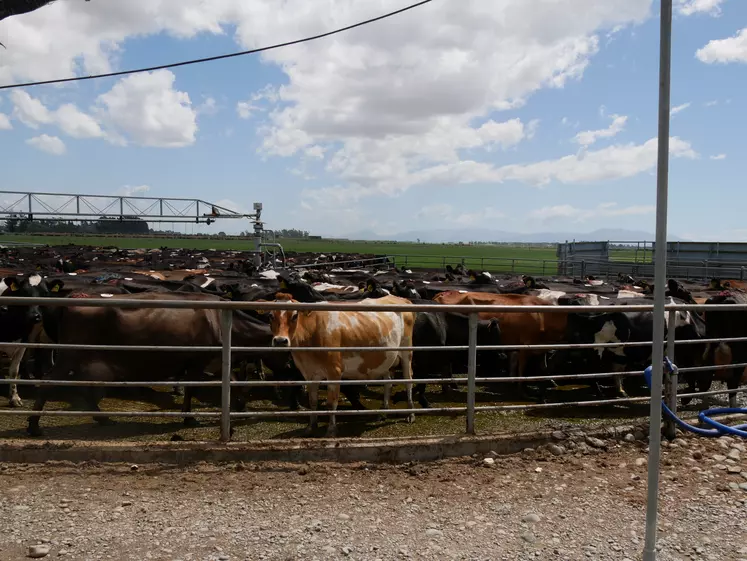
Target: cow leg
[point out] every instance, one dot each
(333, 398)
(313, 405)
(187, 408)
(406, 360)
(33, 421)
(15, 365)
(93, 397)
(422, 399)
(732, 384)
(523, 358)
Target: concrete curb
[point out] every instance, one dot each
(374, 450)
(318, 450)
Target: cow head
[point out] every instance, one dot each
(283, 324)
(33, 286)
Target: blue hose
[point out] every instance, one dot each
(718, 429)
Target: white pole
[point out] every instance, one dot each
(660, 275)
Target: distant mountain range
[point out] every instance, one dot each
(487, 235)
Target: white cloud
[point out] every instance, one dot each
(76, 123)
(711, 103)
(133, 190)
(5, 124)
(146, 109)
(691, 7)
(732, 49)
(208, 107)
(718, 157)
(46, 143)
(613, 162)
(437, 210)
(677, 108)
(389, 105)
(30, 111)
(586, 138)
(422, 79)
(244, 109)
(257, 102)
(574, 214)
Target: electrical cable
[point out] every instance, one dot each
(216, 57)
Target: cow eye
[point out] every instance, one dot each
(294, 317)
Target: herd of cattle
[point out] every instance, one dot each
(227, 275)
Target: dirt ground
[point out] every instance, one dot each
(586, 503)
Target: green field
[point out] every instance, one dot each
(504, 258)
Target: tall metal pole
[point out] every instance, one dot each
(471, 373)
(226, 325)
(660, 273)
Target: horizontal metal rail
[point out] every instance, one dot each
(352, 306)
(422, 348)
(344, 382)
(354, 412)
(372, 260)
(348, 382)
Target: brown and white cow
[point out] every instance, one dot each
(347, 329)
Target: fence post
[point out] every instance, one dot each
(670, 380)
(583, 270)
(543, 267)
(226, 324)
(513, 265)
(471, 373)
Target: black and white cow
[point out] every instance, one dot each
(633, 327)
(21, 323)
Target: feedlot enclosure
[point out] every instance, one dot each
(470, 411)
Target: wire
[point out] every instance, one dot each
(218, 57)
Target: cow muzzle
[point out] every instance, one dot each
(280, 342)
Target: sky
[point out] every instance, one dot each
(514, 115)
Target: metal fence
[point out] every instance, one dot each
(576, 268)
(471, 380)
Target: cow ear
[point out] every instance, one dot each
(11, 283)
(283, 284)
(228, 294)
(56, 285)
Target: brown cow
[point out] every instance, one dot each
(347, 329)
(525, 328)
(144, 326)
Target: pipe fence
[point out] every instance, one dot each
(470, 409)
(682, 269)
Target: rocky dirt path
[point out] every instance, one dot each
(586, 503)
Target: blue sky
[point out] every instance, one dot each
(523, 115)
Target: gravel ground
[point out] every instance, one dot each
(586, 503)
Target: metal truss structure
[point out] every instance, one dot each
(26, 205)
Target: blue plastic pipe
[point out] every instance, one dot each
(719, 429)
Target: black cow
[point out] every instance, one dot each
(446, 329)
(17, 323)
(724, 325)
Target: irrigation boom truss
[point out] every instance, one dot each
(75, 207)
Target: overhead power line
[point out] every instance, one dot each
(217, 57)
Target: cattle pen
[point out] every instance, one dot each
(470, 411)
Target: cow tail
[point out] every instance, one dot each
(542, 322)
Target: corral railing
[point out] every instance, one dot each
(471, 379)
(578, 268)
